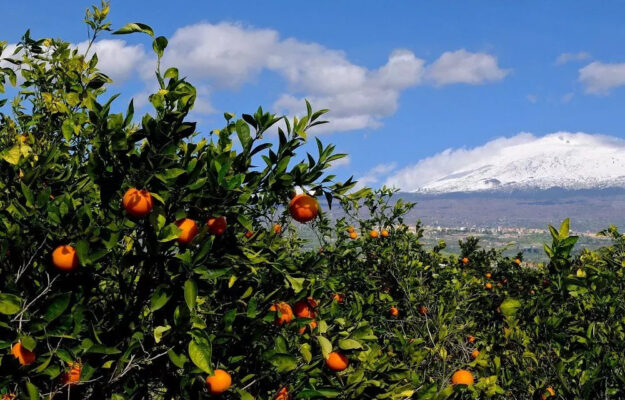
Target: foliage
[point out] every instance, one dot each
(150, 318)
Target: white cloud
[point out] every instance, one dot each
(567, 97)
(568, 57)
(600, 78)
(461, 66)
(374, 175)
(341, 162)
(116, 58)
(517, 157)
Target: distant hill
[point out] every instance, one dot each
(590, 210)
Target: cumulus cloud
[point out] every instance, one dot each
(523, 155)
(461, 66)
(600, 78)
(569, 57)
(116, 58)
(228, 55)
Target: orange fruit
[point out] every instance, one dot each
(284, 313)
(353, 235)
(548, 393)
(24, 356)
(384, 233)
(470, 339)
(465, 260)
(303, 208)
(337, 361)
(374, 234)
(249, 234)
(283, 394)
(474, 354)
(532, 291)
(517, 261)
(394, 311)
(423, 310)
(488, 286)
(338, 297)
(488, 275)
(137, 203)
(305, 308)
(65, 258)
(188, 228)
(216, 225)
(9, 396)
(462, 377)
(219, 382)
(72, 376)
(350, 229)
(277, 229)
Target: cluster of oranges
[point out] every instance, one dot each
(138, 204)
(372, 233)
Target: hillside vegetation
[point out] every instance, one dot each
(141, 260)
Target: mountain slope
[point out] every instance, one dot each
(565, 160)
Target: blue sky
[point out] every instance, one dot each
(457, 75)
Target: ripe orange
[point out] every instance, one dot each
(249, 234)
(72, 376)
(488, 275)
(9, 396)
(532, 291)
(283, 394)
(337, 361)
(488, 286)
(137, 203)
(303, 208)
(338, 297)
(394, 311)
(423, 310)
(219, 382)
(470, 339)
(24, 356)
(465, 260)
(548, 393)
(305, 308)
(277, 229)
(474, 354)
(374, 234)
(65, 258)
(350, 229)
(216, 225)
(284, 313)
(517, 261)
(384, 233)
(462, 377)
(188, 228)
(353, 235)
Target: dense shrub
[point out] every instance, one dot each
(151, 306)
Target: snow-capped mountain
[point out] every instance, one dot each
(565, 160)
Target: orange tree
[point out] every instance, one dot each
(142, 260)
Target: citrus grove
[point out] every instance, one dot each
(141, 259)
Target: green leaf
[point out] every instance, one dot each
(82, 251)
(190, 293)
(245, 221)
(319, 393)
(159, 44)
(244, 395)
(28, 342)
(169, 232)
(30, 201)
(134, 27)
(283, 362)
(57, 306)
(102, 349)
(9, 304)
(159, 331)
(305, 351)
(159, 299)
(33, 392)
(349, 344)
(509, 307)
(200, 354)
(296, 283)
(326, 346)
(178, 360)
(12, 155)
(564, 229)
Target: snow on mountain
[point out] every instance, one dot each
(523, 162)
